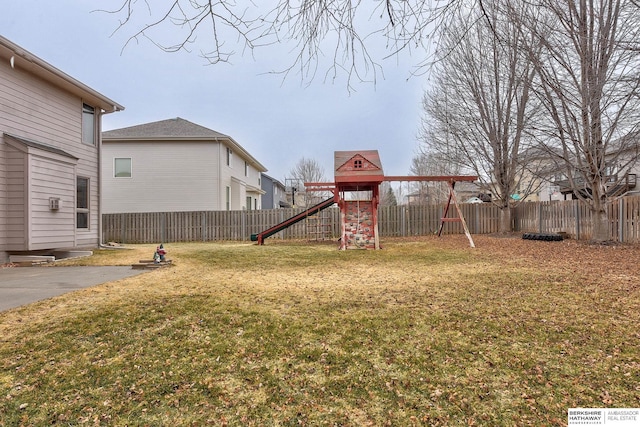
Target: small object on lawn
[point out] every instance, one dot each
(547, 237)
(159, 260)
(158, 256)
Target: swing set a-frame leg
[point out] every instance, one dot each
(460, 218)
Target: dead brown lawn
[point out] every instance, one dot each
(427, 331)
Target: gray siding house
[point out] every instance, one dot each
(49, 156)
(175, 165)
(275, 193)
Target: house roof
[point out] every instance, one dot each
(176, 130)
(19, 58)
(41, 146)
(272, 179)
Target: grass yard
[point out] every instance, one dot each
(425, 332)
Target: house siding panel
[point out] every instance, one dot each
(37, 110)
(52, 228)
(16, 214)
(156, 185)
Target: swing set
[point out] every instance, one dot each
(358, 175)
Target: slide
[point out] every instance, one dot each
(289, 222)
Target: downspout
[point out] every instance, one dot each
(100, 242)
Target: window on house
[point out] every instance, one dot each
(122, 167)
(246, 169)
(229, 156)
(228, 198)
(357, 164)
(610, 170)
(88, 125)
(248, 203)
(82, 202)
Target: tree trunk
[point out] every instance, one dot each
(600, 221)
(505, 220)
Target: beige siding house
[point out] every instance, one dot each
(49, 156)
(177, 166)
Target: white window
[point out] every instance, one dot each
(82, 202)
(229, 156)
(246, 169)
(122, 167)
(228, 198)
(88, 125)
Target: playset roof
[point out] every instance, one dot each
(362, 166)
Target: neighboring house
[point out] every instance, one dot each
(622, 169)
(275, 193)
(49, 156)
(176, 166)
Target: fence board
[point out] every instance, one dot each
(571, 217)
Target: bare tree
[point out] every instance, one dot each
(431, 163)
(589, 70)
(306, 171)
(479, 107)
(341, 30)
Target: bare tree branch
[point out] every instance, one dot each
(480, 106)
(343, 30)
(589, 83)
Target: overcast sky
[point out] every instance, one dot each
(277, 122)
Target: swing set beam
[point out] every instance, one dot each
(446, 178)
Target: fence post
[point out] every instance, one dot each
(243, 227)
(512, 222)
(620, 220)
(123, 228)
(203, 225)
(163, 227)
(476, 219)
(540, 217)
(577, 205)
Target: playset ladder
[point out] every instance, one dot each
(319, 226)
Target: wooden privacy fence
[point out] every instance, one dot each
(574, 218)
(571, 217)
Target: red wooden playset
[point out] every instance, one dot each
(358, 175)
